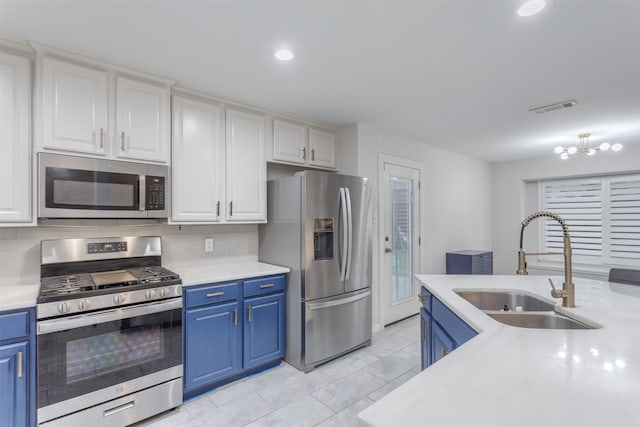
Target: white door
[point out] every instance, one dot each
(289, 142)
(142, 130)
(246, 183)
(15, 144)
(400, 238)
(74, 108)
(197, 164)
(322, 149)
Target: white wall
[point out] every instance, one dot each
(182, 246)
(513, 199)
(455, 196)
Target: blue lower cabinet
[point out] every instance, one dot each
(213, 345)
(425, 338)
(263, 330)
(13, 383)
(442, 345)
(232, 329)
(17, 368)
(442, 331)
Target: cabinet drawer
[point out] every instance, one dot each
(264, 285)
(210, 294)
(425, 299)
(14, 325)
(452, 324)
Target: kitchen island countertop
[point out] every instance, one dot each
(509, 376)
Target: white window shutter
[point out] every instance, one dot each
(625, 217)
(579, 203)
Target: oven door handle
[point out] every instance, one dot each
(65, 323)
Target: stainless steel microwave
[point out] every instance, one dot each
(82, 187)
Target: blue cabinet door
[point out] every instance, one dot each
(213, 344)
(443, 344)
(426, 341)
(263, 330)
(14, 365)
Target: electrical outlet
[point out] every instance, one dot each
(208, 244)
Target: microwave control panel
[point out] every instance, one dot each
(154, 193)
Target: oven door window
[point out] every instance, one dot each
(78, 361)
(81, 189)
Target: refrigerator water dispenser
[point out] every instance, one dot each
(322, 239)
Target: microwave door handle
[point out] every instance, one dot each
(343, 229)
(349, 219)
(142, 193)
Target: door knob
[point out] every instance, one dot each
(387, 250)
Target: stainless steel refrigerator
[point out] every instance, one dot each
(319, 226)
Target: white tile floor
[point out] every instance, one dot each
(331, 395)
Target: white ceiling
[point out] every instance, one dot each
(458, 74)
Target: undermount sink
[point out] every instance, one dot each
(519, 309)
(505, 301)
(538, 320)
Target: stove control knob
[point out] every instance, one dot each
(64, 307)
(85, 304)
(118, 299)
(164, 292)
(150, 294)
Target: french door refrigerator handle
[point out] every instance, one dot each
(349, 233)
(343, 217)
(320, 305)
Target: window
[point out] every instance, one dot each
(603, 216)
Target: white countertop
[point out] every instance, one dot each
(200, 274)
(21, 296)
(18, 296)
(508, 376)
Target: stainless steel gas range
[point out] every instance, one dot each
(109, 344)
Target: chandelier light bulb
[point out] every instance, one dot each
(284, 55)
(564, 156)
(572, 150)
(605, 146)
(531, 7)
(559, 149)
(616, 147)
(591, 152)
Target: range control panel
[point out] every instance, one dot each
(106, 247)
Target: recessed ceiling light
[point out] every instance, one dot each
(284, 55)
(531, 7)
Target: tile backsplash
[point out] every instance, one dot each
(182, 245)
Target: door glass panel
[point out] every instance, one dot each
(401, 271)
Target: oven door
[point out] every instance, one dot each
(87, 359)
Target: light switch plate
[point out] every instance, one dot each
(209, 244)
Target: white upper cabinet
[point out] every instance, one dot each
(15, 139)
(198, 161)
(91, 108)
(322, 149)
(143, 120)
(246, 167)
(74, 102)
(301, 145)
(289, 142)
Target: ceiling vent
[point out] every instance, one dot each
(553, 107)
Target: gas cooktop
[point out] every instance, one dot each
(58, 288)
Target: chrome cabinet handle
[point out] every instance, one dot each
(313, 154)
(122, 141)
(249, 313)
(424, 331)
(101, 137)
(215, 294)
(267, 285)
(304, 153)
(444, 352)
(235, 316)
(19, 364)
(218, 208)
(421, 298)
(231, 208)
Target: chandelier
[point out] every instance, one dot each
(583, 147)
